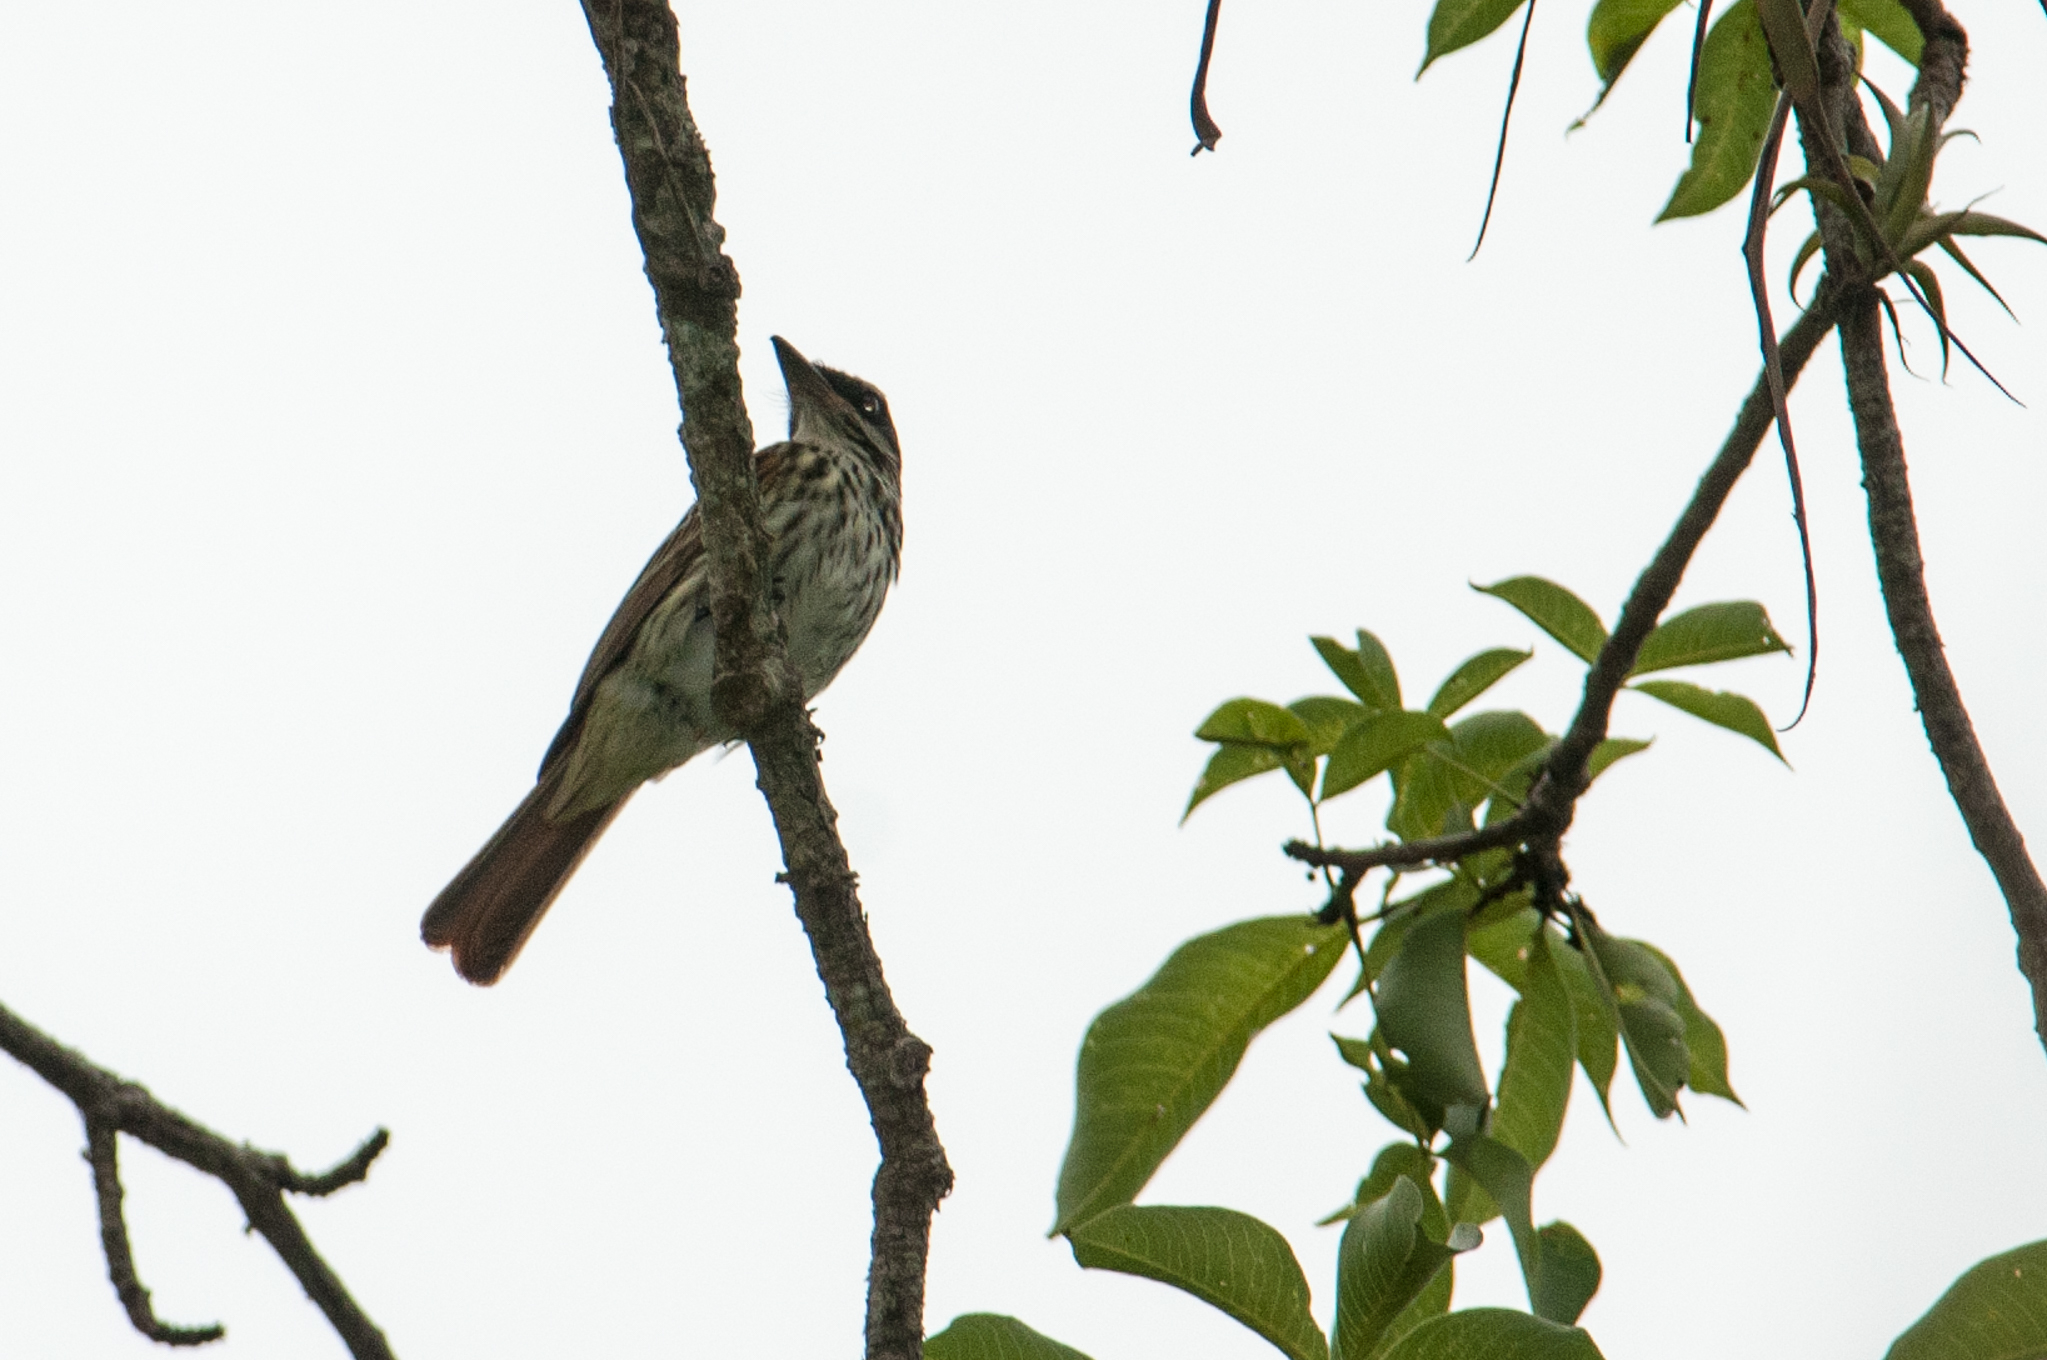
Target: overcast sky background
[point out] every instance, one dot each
(336, 421)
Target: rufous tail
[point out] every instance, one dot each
(485, 916)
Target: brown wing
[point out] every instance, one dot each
(675, 559)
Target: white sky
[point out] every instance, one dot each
(335, 422)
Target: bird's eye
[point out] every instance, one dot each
(871, 405)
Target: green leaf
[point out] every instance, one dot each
(1228, 766)
(1736, 98)
(991, 1336)
(1595, 1018)
(1973, 223)
(1432, 1302)
(1228, 1260)
(1366, 672)
(1474, 678)
(1609, 751)
(1383, 1264)
(1464, 772)
(1460, 23)
(1509, 1181)
(1376, 745)
(1703, 1039)
(1891, 24)
(1731, 711)
(1153, 1062)
(1996, 1311)
(1327, 718)
(1425, 1012)
(1253, 722)
(1394, 1161)
(1569, 1276)
(1553, 609)
(1504, 946)
(1712, 632)
(1646, 996)
(1542, 1043)
(1494, 1334)
(1617, 30)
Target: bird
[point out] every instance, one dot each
(831, 499)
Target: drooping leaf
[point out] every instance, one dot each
(1891, 24)
(1229, 765)
(1542, 1046)
(1569, 1276)
(1509, 1182)
(1504, 946)
(1376, 745)
(1383, 1264)
(1734, 712)
(1711, 632)
(1460, 23)
(1646, 996)
(1425, 1012)
(991, 1336)
(1226, 1259)
(1253, 722)
(1474, 678)
(1327, 719)
(1617, 30)
(1607, 752)
(1555, 610)
(1595, 1019)
(1997, 1310)
(1153, 1062)
(1431, 1303)
(1494, 1334)
(1703, 1039)
(1736, 99)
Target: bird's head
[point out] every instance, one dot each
(826, 405)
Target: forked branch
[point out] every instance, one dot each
(111, 1105)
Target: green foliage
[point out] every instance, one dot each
(1153, 1062)
(1712, 632)
(1556, 611)
(1735, 99)
(1569, 1276)
(1494, 1334)
(1385, 1264)
(1731, 711)
(1224, 1258)
(1460, 23)
(991, 1336)
(1996, 1311)
(1888, 20)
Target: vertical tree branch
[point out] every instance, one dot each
(1893, 526)
(1901, 571)
(696, 290)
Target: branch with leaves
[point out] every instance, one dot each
(112, 1105)
(696, 291)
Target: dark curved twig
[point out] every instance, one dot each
(1551, 803)
(112, 1105)
(696, 291)
(1206, 133)
(1692, 84)
(1506, 116)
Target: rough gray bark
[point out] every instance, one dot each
(696, 291)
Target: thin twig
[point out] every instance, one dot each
(110, 1105)
(696, 290)
(1552, 802)
(1692, 84)
(1506, 116)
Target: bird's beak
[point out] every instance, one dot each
(807, 387)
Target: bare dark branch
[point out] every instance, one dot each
(696, 290)
(111, 1105)
(1552, 802)
(1206, 133)
(1698, 50)
(102, 1153)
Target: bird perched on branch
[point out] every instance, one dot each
(831, 497)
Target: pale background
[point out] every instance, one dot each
(335, 422)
